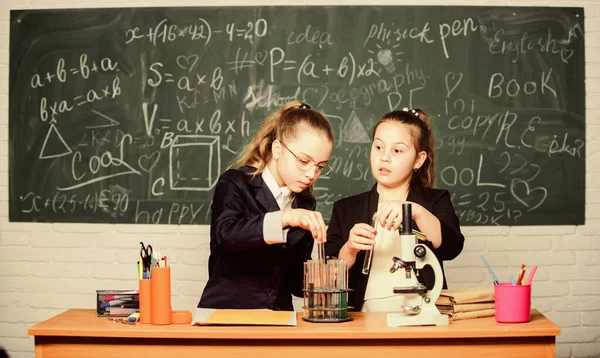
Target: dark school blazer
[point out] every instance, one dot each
(360, 209)
(243, 270)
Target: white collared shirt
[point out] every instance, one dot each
(273, 232)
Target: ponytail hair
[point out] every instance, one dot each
(423, 139)
(282, 124)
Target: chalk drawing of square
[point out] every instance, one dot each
(194, 162)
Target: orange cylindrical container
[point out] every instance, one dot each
(145, 301)
(161, 295)
(181, 317)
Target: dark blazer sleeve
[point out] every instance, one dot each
(236, 228)
(452, 238)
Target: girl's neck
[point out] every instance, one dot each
(393, 193)
(272, 166)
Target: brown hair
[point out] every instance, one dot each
(281, 125)
(424, 140)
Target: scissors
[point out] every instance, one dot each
(146, 256)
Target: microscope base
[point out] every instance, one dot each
(427, 317)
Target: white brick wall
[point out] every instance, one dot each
(47, 268)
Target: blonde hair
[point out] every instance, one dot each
(282, 124)
(423, 139)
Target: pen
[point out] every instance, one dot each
(116, 302)
(132, 296)
(122, 320)
(135, 304)
(496, 282)
(531, 274)
(512, 279)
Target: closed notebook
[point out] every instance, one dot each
(244, 317)
(466, 295)
(467, 307)
(470, 315)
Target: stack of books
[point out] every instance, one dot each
(467, 303)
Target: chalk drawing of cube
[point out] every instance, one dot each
(194, 162)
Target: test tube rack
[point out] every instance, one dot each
(326, 291)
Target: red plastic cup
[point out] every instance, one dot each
(513, 303)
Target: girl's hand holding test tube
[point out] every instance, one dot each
(306, 219)
(369, 254)
(362, 237)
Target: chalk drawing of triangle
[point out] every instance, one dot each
(54, 145)
(105, 122)
(354, 131)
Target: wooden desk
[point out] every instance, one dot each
(79, 333)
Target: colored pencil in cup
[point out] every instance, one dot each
(496, 282)
(531, 274)
(521, 274)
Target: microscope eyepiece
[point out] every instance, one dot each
(406, 219)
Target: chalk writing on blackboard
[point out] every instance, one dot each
(131, 115)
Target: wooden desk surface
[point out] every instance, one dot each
(84, 323)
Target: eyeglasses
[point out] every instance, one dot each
(307, 165)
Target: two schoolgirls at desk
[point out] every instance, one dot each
(264, 223)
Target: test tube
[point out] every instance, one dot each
(340, 286)
(311, 300)
(321, 252)
(327, 269)
(344, 303)
(369, 254)
(306, 291)
(318, 288)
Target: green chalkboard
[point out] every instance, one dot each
(130, 115)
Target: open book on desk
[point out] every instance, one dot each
(244, 317)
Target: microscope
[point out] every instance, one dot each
(418, 302)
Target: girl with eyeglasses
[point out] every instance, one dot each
(403, 164)
(264, 223)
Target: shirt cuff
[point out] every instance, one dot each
(272, 231)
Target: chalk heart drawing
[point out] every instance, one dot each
(261, 57)
(520, 190)
(148, 162)
(452, 81)
(187, 62)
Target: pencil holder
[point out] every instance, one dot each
(145, 301)
(513, 303)
(161, 295)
